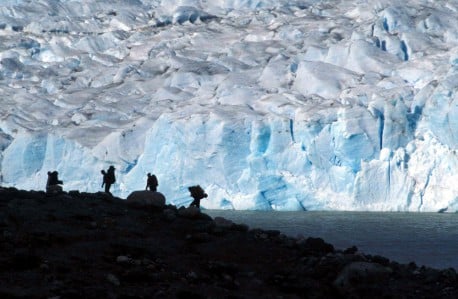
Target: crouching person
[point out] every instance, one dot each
(197, 193)
(53, 184)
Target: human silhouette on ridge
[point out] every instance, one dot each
(197, 193)
(108, 178)
(53, 183)
(151, 182)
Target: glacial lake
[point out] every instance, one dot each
(429, 239)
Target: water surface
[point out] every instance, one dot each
(429, 239)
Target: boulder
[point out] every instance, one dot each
(169, 215)
(54, 189)
(190, 212)
(146, 198)
(358, 274)
(223, 222)
(316, 246)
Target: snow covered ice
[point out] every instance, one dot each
(284, 105)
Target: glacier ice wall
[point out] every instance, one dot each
(285, 105)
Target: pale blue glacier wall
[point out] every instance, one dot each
(359, 159)
(356, 159)
(29, 157)
(389, 157)
(277, 163)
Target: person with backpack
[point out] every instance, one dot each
(53, 183)
(151, 182)
(108, 178)
(197, 193)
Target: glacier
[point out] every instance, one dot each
(268, 105)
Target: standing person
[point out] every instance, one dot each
(53, 183)
(197, 193)
(151, 182)
(108, 178)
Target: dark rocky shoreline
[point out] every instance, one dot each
(91, 245)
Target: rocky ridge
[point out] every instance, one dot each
(91, 245)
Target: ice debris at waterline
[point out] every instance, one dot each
(284, 105)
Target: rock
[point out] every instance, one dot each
(204, 216)
(103, 196)
(380, 260)
(316, 246)
(186, 294)
(199, 237)
(122, 259)
(223, 268)
(272, 233)
(191, 212)
(443, 210)
(449, 274)
(240, 227)
(360, 273)
(146, 198)
(54, 189)
(46, 246)
(7, 235)
(169, 215)
(23, 260)
(222, 222)
(113, 279)
(351, 250)
(74, 193)
(44, 267)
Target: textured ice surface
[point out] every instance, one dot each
(285, 105)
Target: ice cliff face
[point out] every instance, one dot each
(283, 105)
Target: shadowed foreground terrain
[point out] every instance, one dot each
(85, 245)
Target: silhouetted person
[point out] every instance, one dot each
(108, 178)
(151, 182)
(53, 183)
(197, 193)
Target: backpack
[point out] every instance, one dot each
(152, 181)
(197, 192)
